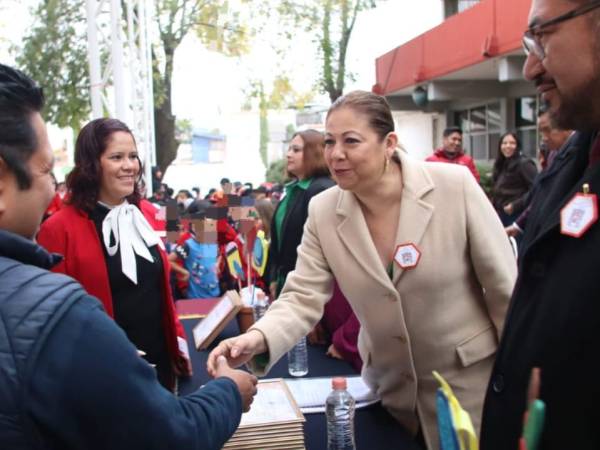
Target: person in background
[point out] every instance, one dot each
(109, 247)
(196, 193)
(211, 193)
(554, 319)
(200, 260)
(512, 178)
(305, 163)
(381, 233)
(265, 209)
(184, 199)
(338, 329)
(452, 151)
(552, 140)
(56, 203)
(551, 137)
(157, 176)
(70, 379)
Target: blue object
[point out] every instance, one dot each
(448, 439)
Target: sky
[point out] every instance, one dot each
(208, 87)
(207, 84)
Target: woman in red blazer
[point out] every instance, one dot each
(109, 247)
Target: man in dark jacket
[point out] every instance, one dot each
(553, 322)
(69, 378)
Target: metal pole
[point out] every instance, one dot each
(92, 8)
(117, 61)
(144, 19)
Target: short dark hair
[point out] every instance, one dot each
(451, 130)
(84, 180)
(20, 97)
(224, 181)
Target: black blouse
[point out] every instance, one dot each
(138, 309)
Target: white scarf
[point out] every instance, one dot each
(132, 233)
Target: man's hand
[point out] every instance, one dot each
(512, 231)
(508, 209)
(245, 382)
(333, 352)
(317, 336)
(237, 350)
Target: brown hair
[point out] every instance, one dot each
(312, 154)
(265, 209)
(83, 182)
(374, 107)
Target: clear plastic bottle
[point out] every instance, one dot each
(339, 409)
(260, 306)
(298, 359)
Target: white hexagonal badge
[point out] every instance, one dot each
(579, 214)
(407, 256)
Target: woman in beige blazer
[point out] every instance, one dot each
(419, 253)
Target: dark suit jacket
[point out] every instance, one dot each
(283, 260)
(553, 321)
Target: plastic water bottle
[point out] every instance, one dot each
(260, 306)
(339, 409)
(298, 359)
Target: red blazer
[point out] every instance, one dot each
(72, 234)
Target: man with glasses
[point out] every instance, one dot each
(554, 318)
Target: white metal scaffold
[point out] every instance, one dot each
(119, 51)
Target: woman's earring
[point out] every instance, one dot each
(386, 165)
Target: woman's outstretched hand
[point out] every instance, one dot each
(238, 350)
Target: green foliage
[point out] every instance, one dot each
(485, 173)
(54, 53)
(184, 130)
(276, 172)
(281, 96)
(289, 131)
(332, 21)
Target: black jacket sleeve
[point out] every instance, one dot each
(528, 171)
(90, 390)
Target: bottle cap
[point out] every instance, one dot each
(338, 383)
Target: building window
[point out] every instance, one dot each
(526, 123)
(452, 7)
(481, 130)
(466, 4)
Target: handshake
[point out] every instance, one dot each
(234, 352)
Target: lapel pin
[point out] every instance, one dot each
(407, 256)
(579, 214)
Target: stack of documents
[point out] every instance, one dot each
(273, 422)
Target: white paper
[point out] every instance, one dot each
(271, 404)
(311, 393)
(208, 324)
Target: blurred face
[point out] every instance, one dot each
(508, 146)
(552, 137)
(353, 152)
(452, 143)
(295, 157)
(120, 168)
(569, 75)
(21, 211)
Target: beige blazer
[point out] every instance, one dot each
(446, 314)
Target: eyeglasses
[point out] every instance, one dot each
(531, 38)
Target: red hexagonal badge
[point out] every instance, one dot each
(407, 256)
